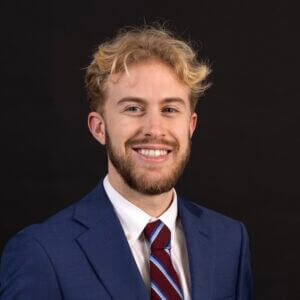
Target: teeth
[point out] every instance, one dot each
(152, 153)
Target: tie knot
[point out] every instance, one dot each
(158, 235)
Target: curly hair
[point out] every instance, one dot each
(136, 44)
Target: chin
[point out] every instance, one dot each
(151, 184)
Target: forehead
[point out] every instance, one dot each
(151, 80)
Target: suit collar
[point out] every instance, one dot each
(106, 247)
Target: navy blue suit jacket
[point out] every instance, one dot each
(82, 253)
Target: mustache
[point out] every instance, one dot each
(134, 142)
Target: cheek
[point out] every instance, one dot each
(129, 127)
(182, 131)
(121, 133)
(185, 139)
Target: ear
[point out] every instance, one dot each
(96, 126)
(193, 123)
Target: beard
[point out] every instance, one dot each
(125, 166)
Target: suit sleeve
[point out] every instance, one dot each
(244, 284)
(26, 271)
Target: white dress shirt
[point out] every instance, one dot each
(134, 220)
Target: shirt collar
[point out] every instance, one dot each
(132, 218)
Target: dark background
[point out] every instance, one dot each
(245, 160)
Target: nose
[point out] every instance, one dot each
(154, 125)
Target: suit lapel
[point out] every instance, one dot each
(107, 249)
(200, 249)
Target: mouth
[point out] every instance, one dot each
(154, 152)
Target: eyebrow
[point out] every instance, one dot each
(143, 101)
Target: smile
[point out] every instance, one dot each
(152, 152)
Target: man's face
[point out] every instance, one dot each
(147, 127)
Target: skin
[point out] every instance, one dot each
(148, 108)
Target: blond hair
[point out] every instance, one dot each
(136, 44)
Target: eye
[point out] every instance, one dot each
(133, 109)
(170, 110)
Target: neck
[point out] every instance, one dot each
(153, 205)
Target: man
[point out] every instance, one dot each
(132, 237)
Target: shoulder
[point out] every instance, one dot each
(37, 240)
(57, 230)
(26, 267)
(215, 224)
(216, 218)
(60, 224)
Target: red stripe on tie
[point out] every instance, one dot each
(162, 240)
(158, 252)
(163, 283)
(164, 258)
(154, 296)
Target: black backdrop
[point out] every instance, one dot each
(244, 157)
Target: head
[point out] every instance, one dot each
(143, 87)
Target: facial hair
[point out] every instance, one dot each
(126, 168)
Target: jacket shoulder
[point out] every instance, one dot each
(211, 215)
(58, 228)
(220, 226)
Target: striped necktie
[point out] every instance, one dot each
(164, 280)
